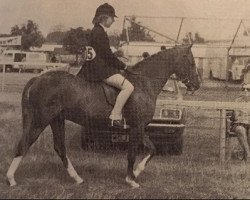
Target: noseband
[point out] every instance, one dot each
(186, 81)
(190, 86)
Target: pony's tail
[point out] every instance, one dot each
(25, 94)
(27, 108)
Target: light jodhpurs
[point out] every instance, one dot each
(118, 81)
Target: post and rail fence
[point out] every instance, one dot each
(222, 107)
(44, 66)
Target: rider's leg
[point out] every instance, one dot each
(118, 81)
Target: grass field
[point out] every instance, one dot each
(194, 174)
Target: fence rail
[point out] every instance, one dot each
(44, 65)
(214, 105)
(222, 107)
(2, 62)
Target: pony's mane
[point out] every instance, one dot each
(152, 57)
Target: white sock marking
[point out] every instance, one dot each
(13, 167)
(141, 166)
(72, 172)
(132, 183)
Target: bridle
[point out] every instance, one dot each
(185, 77)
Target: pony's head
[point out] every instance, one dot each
(185, 67)
(178, 60)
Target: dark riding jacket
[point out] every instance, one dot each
(105, 64)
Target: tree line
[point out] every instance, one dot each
(75, 39)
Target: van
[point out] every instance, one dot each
(13, 56)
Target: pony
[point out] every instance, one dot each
(53, 97)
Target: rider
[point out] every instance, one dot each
(106, 66)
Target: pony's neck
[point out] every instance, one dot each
(152, 87)
(152, 73)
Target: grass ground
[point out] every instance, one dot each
(194, 174)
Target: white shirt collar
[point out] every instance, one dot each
(105, 29)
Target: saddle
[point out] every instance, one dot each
(110, 93)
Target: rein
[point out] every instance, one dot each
(126, 73)
(140, 75)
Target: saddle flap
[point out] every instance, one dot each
(110, 93)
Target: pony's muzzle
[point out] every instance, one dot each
(191, 88)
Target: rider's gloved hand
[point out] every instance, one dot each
(123, 70)
(130, 69)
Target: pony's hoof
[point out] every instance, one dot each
(12, 182)
(132, 183)
(79, 180)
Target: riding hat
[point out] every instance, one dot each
(105, 9)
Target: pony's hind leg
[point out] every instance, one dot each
(28, 138)
(150, 153)
(58, 129)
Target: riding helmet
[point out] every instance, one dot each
(105, 9)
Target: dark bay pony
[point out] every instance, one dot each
(53, 97)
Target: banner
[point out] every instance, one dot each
(10, 41)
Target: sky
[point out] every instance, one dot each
(79, 13)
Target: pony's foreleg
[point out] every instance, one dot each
(151, 151)
(58, 129)
(72, 172)
(132, 152)
(141, 166)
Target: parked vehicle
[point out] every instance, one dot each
(236, 71)
(165, 130)
(13, 56)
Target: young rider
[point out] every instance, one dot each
(106, 66)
